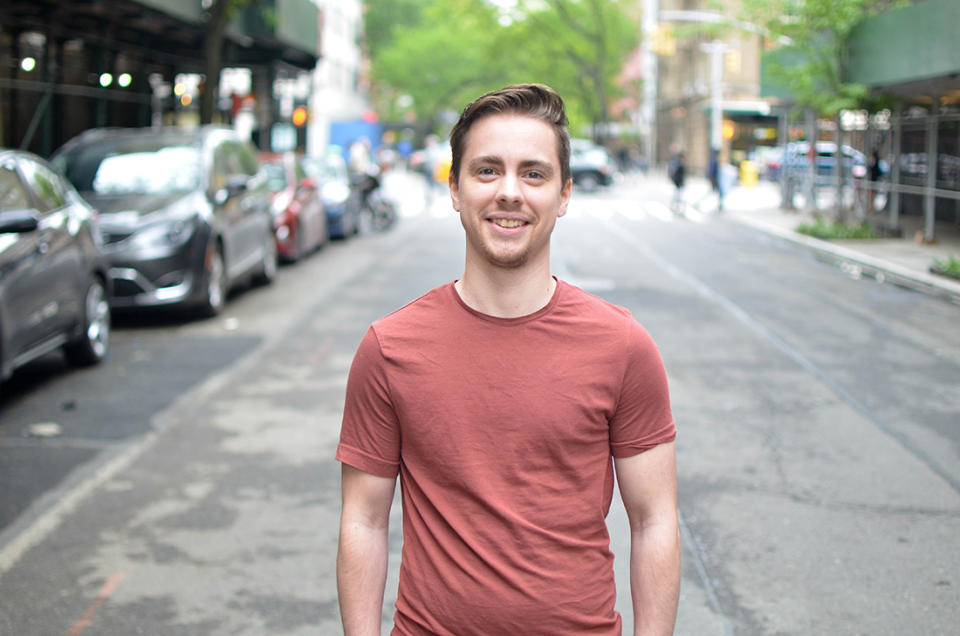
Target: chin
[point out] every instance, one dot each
(507, 261)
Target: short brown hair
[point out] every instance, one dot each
(534, 100)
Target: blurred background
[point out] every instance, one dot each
(754, 80)
(204, 204)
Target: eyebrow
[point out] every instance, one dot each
(492, 160)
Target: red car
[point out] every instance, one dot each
(299, 218)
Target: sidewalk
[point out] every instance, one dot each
(903, 261)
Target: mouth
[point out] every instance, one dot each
(508, 223)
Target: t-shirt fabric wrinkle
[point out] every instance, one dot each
(502, 432)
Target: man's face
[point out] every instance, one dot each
(509, 194)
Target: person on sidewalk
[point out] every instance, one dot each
(715, 176)
(677, 171)
(716, 179)
(499, 400)
(875, 173)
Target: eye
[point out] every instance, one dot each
(535, 174)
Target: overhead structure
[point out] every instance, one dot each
(59, 60)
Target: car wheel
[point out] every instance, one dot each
(215, 276)
(268, 267)
(357, 223)
(94, 340)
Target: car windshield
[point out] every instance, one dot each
(276, 176)
(110, 170)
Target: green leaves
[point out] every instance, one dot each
(811, 68)
(433, 56)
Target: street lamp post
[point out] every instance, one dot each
(716, 49)
(648, 113)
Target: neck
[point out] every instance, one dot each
(506, 294)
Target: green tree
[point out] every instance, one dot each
(579, 47)
(811, 67)
(218, 16)
(433, 67)
(383, 18)
(433, 57)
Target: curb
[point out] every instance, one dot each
(876, 267)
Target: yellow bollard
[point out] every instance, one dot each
(748, 174)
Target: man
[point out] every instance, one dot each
(677, 171)
(500, 399)
(715, 176)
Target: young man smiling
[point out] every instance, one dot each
(499, 399)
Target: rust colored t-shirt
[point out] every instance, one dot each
(502, 431)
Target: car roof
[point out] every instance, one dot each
(164, 134)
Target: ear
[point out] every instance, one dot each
(565, 193)
(454, 192)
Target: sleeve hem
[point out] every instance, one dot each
(367, 463)
(635, 447)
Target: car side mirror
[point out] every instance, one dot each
(234, 186)
(18, 221)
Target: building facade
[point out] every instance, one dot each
(705, 58)
(69, 66)
(340, 84)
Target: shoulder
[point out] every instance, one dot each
(592, 314)
(592, 307)
(421, 315)
(596, 316)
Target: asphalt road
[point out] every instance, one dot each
(191, 488)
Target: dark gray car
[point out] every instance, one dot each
(185, 214)
(53, 274)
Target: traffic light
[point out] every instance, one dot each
(299, 117)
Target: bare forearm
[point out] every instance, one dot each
(361, 576)
(655, 579)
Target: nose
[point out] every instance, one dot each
(508, 194)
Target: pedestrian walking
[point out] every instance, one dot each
(499, 399)
(716, 180)
(677, 171)
(875, 173)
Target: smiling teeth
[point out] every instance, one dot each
(507, 222)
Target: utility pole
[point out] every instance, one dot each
(716, 49)
(648, 112)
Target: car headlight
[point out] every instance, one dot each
(165, 233)
(280, 203)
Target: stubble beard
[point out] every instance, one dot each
(503, 259)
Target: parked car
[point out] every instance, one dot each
(796, 160)
(299, 218)
(185, 214)
(768, 160)
(53, 275)
(590, 165)
(343, 211)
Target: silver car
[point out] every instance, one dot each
(53, 274)
(185, 214)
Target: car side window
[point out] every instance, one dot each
(246, 159)
(222, 168)
(45, 185)
(299, 172)
(12, 194)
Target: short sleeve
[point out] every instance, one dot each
(643, 418)
(370, 432)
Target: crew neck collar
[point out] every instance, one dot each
(546, 309)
